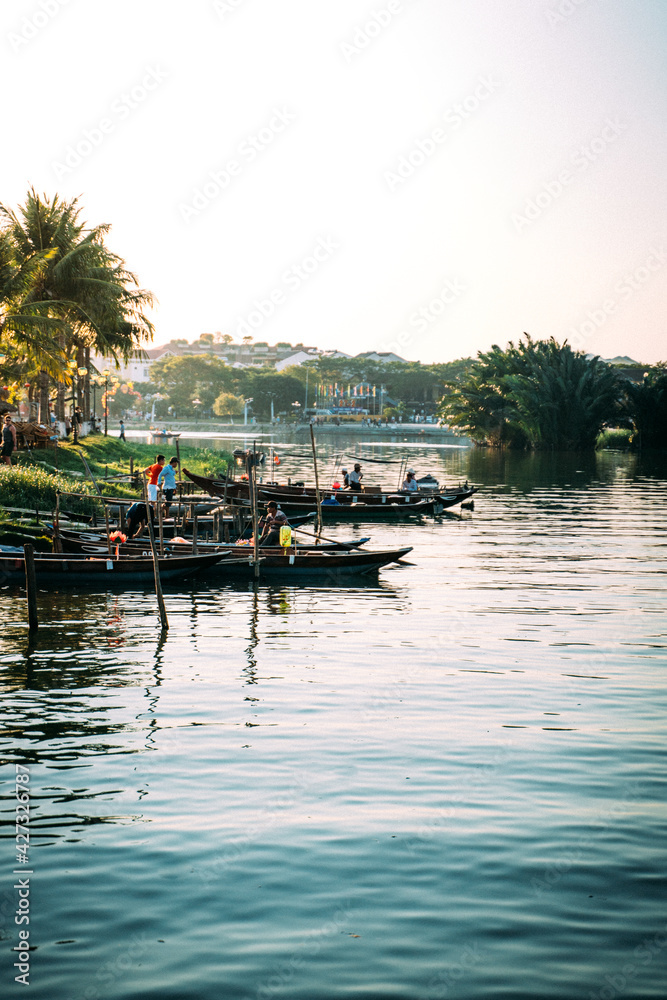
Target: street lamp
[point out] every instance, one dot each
(196, 403)
(245, 409)
(297, 406)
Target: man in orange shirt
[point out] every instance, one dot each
(153, 471)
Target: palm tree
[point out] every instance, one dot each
(76, 294)
(537, 394)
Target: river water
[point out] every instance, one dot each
(449, 782)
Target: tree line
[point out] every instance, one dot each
(545, 395)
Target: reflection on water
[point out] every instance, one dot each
(446, 782)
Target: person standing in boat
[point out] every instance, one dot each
(8, 439)
(167, 480)
(271, 524)
(410, 483)
(355, 478)
(153, 471)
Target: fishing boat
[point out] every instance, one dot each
(327, 562)
(94, 543)
(102, 570)
(317, 567)
(163, 435)
(286, 495)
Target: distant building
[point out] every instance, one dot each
(296, 359)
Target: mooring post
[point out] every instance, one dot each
(31, 586)
(156, 566)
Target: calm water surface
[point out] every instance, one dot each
(449, 782)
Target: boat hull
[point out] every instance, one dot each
(98, 571)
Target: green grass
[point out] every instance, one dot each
(614, 438)
(33, 481)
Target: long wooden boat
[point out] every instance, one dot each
(314, 567)
(360, 513)
(321, 564)
(283, 494)
(92, 571)
(93, 543)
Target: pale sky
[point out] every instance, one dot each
(424, 176)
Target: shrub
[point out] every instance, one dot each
(35, 489)
(615, 438)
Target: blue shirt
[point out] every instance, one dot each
(167, 478)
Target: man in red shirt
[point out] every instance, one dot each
(153, 471)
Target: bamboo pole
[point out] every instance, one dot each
(178, 456)
(255, 529)
(106, 522)
(317, 484)
(31, 586)
(156, 566)
(160, 517)
(195, 550)
(90, 475)
(57, 541)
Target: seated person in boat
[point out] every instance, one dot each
(346, 479)
(167, 480)
(410, 483)
(136, 519)
(355, 478)
(271, 524)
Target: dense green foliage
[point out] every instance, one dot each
(32, 483)
(182, 379)
(647, 408)
(62, 293)
(537, 394)
(614, 439)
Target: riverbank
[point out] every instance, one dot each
(32, 481)
(187, 427)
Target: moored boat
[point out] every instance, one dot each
(299, 499)
(92, 571)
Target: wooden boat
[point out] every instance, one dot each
(237, 490)
(325, 563)
(92, 571)
(165, 435)
(94, 543)
(323, 568)
(360, 513)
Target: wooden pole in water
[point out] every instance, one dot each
(160, 522)
(57, 542)
(195, 549)
(255, 522)
(106, 522)
(31, 586)
(156, 566)
(317, 484)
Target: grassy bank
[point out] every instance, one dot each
(33, 480)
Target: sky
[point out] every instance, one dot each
(428, 177)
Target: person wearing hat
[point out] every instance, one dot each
(355, 478)
(346, 479)
(410, 483)
(271, 524)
